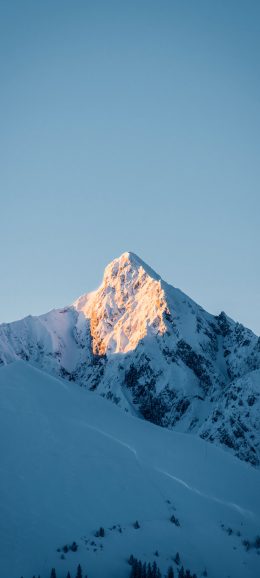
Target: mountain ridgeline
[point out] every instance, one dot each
(149, 348)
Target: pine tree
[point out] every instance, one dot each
(136, 571)
(181, 573)
(100, 533)
(170, 573)
(79, 572)
(174, 520)
(68, 575)
(131, 560)
(257, 542)
(177, 558)
(53, 573)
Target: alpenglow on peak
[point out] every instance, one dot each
(127, 306)
(130, 261)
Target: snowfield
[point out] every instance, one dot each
(72, 462)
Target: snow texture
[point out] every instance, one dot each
(72, 462)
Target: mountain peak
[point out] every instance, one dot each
(131, 262)
(129, 303)
(148, 347)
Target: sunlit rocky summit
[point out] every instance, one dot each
(154, 352)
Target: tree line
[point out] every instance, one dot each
(143, 570)
(139, 569)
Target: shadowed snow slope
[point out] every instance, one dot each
(149, 348)
(71, 462)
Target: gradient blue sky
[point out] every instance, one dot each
(130, 125)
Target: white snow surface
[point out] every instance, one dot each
(71, 462)
(153, 351)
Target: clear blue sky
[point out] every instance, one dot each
(130, 125)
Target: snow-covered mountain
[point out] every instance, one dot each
(71, 462)
(153, 351)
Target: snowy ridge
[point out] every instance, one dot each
(153, 351)
(72, 462)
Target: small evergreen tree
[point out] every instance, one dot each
(181, 573)
(177, 558)
(131, 560)
(174, 520)
(257, 542)
(136, 525)
(68, 575)
(79, 572)
(100, 533)
(170, 573)
(53, 573)
(137, 568)
(133, 569)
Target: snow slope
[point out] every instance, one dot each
(153, 351)
(71, 462)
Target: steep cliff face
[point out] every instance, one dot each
(153, 351)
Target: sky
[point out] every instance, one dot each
(130, 125)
